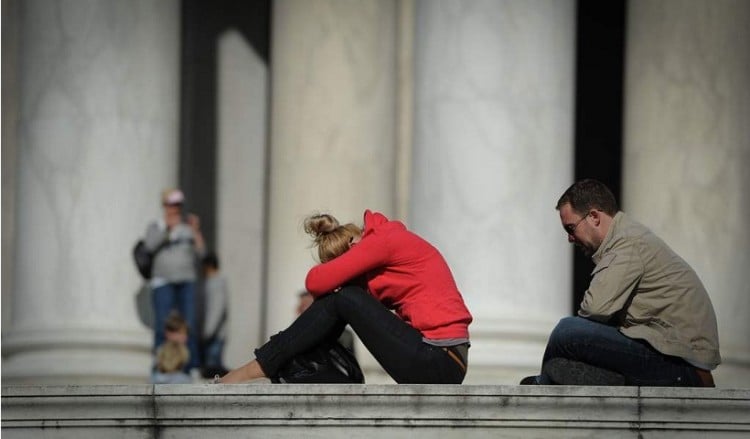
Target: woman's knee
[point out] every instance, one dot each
(351, 295)
(351, 291)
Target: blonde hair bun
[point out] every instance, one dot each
(331, 238)
(320, 225)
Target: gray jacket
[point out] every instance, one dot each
(175, 260)
(217, 299)
(651, 293)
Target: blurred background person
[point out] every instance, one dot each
(171, 358)
(179, 242)
(216, 299)
(304, 302)
(176, 328)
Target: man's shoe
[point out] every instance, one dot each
(575, 373)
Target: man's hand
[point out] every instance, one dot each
(194, 222)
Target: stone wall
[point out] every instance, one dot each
(332, 411)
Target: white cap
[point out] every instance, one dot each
(174, 197)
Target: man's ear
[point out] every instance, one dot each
(596, 215)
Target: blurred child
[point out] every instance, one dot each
(176, 328)
(171, 358)
(215, 322)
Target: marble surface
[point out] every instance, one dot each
(9, 114)
(687, 150)
(97, 142)
(241, 184)
(406, 411)
(493, 151)
(332, 129)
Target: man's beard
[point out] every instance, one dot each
(585, 250)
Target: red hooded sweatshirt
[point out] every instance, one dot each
(405, 273)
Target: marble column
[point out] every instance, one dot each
(97, 140)
(687, 150)
(333, 129)
(493, 151)
(240, 190)
(9, 144)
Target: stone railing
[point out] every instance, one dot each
(383, 411)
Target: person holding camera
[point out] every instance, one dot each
(175, 241)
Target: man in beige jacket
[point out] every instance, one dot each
(646, 318)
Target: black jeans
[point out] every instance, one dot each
(600, 345)
(397, 346)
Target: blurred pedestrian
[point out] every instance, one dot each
(176, 241)
(171, 358)
(215, 317)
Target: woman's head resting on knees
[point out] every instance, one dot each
(331, 238)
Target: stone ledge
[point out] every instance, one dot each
(203, 410)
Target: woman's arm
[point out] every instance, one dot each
(367, 255)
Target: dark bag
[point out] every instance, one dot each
(326, 363)
(143, 259)
(144, 305)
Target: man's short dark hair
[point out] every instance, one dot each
(211, 260)
(175, 322)
(588, 194)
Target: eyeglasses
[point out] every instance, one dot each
(570, 229)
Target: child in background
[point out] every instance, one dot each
(171, 358)
(215, 321)
(176, 328)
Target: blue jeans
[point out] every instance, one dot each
(179, 296)
(396, 345)
(212, 353)
(600, 345)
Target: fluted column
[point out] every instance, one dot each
(493, 151)
(242, 121)
(97, 142)
(687, 150)
(332, 129)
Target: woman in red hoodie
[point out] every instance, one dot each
(363, 274)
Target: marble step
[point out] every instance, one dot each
(382, 411)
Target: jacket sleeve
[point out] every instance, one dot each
(216, 305)
(367, 255)
(615, 278)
